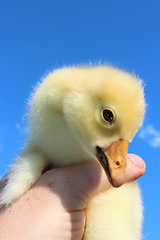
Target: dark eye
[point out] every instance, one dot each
(108, 115)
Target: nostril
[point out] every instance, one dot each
(117, 163)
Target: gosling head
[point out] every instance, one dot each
(103, 107)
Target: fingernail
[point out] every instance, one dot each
(138, 161)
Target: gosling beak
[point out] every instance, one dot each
(113, 160)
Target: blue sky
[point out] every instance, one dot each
(38, 36)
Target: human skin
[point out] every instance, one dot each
(54, 207)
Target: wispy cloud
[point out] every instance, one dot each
(151, 135)
(21, 128)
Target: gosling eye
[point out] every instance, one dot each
(108, 116)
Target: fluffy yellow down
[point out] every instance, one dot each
(115, 214)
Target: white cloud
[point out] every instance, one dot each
(21, 128)
(151, 135)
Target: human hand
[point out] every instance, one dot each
(54, 207)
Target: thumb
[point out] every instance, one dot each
(135, 168)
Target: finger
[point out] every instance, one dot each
(135, 167)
